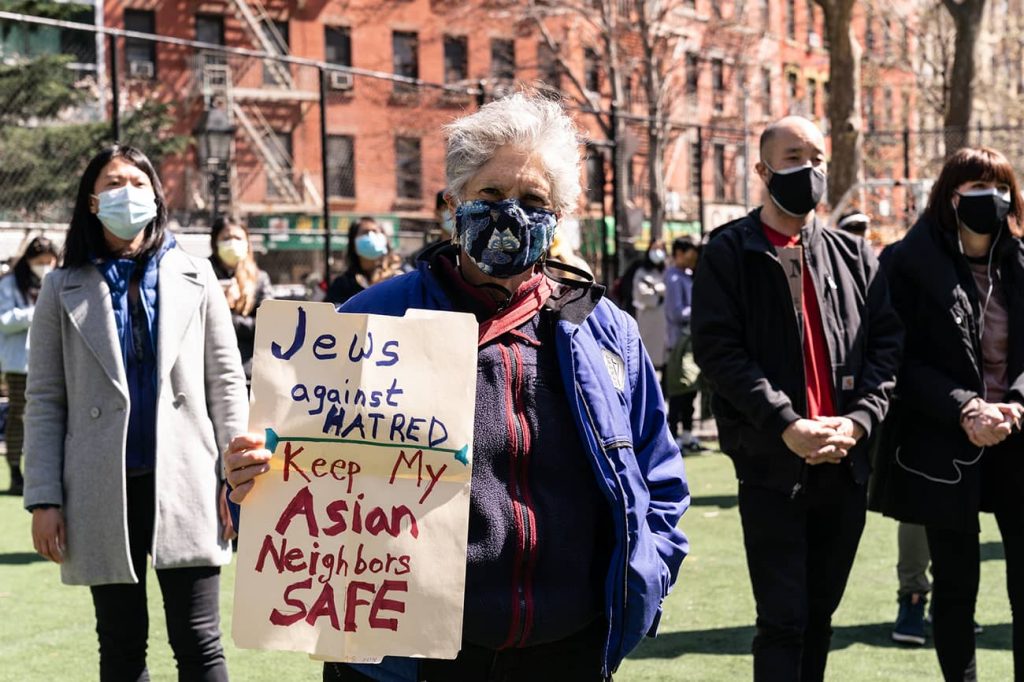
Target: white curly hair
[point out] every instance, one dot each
(529, 122)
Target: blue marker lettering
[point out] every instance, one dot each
(300, 338)
(325, 342)
(390, 351)
(362, 353)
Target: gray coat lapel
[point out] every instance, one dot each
(86, 298)
(180, 291)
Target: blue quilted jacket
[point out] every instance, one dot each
(619, 413)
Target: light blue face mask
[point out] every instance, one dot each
(126, 211)
(372, 245)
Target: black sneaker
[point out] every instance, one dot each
(909, 628)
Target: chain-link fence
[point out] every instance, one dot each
(289, 145)
(301, 149)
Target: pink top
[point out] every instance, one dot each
(995, 341)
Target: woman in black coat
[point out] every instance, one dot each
(957, 280)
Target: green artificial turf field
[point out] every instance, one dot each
(46, 629)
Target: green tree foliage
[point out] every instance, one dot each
(44, 143)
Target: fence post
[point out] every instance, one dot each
(328, 256)
(700, 179)
(115, 99)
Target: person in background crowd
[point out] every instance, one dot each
(649, 301)
(794, 330)
(368, 260)
(856, 223)
(594, 475)
(681, 372)
(135, 387)
(955, 446)
(18, 294)
(245, 285)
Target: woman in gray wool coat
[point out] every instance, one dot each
(135, 386)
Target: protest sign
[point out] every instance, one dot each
(353, 545)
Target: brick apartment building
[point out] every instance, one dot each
(743, 64)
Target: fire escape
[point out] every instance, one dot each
(251, 91)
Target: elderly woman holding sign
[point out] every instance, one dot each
(577, 483)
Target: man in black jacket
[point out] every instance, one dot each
(795, 331)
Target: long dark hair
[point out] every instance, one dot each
(28, 283)
(969, 165)
(85, 234)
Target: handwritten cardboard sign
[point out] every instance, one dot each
(353, 545)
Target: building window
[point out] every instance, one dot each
(591, 70)
(812, 32)
(719, 161)
(341, 171)
(791, 19)
(887, 104)
(869, 31)
(692, 74)
(869, 108)
(338, 45)
(140, 55)
(408, 168)
(766, 13)
(791, 82)
(718, 85)
(595, 175)
(905, 45)
(456, 59)
(812, 98)
(695, 163)
(886, 39)
(766, 90)
(405, 58)
(503, 59)
(276, 73)
(548, 65)
(279, 179)
(905, 112)
(210, 28)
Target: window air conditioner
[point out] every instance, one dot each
(341, 80)
(140, 69)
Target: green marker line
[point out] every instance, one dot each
(273, 439)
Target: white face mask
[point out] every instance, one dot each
(126, 211)
(657, 256)
(41, 270)
(232, 251)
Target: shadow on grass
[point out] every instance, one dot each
(735, 641)
(992, 551)
(720, 501)
(19, 558)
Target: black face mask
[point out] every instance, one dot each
(797, 191)
(982, 213)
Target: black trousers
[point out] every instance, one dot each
(573, 659)
(680, 409)
(191, 607)
(799, 553)
(956, 563)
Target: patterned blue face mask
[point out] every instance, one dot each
(504, 238)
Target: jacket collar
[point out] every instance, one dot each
(754, 238)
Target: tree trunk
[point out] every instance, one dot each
(959, 109)
(844, 99)
(653, 81)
